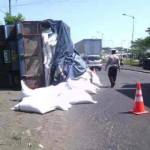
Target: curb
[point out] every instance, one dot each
(131, 69)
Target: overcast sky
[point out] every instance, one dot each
(89, 18)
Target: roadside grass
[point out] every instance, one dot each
(132, 62)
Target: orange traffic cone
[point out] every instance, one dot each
(138, 102)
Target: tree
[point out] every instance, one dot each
(9, 19)
(140, 47)
(148, 31)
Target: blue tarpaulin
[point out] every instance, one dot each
(66, 62)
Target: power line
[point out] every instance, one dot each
(41, 1)
(2, 11)
(25, 4)
(31, 3)
(34, 2)
(38, 2)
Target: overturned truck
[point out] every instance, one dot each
(41, 52)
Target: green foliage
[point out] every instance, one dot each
(148, 31)
(140, 46)
(9, 19)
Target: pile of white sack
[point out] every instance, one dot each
(61, 96)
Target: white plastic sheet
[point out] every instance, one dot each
(49, 43)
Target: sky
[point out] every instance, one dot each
(89, 18)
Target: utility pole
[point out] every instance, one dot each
(9, 7)
(133, 18)
(132, 37)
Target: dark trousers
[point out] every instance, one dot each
(112, 74)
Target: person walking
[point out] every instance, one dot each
(113, 65)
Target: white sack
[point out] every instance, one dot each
(95, 79)
(51, 90)
(88, 82)
(41, 104)
(46, 103)
(30, 104)
(62, 96)
(82, 84)
(77, 96)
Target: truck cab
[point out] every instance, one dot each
(93, 62)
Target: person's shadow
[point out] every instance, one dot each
(130, 91)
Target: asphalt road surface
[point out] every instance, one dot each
(107, 125)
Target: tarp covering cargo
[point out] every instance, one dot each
(66, 62)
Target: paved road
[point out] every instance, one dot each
(103, 126)
(108, 125)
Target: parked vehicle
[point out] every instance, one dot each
(93, 62)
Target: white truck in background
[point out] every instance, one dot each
(89, 47)
(90, 50)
